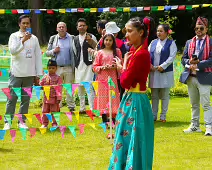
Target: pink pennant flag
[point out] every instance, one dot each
(39, 118)
(28, 90)
(69, 115)
(62, 130)
(58, 90)
(19, 116)
(0, 117)
(105, 83)
(13, 134)
(7, 92)
(74, 87)
(90, 114)
(32, 132)
(82, 128)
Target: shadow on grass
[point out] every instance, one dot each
(6, 150)
(171, 124)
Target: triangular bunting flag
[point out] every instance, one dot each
(105, 83)
(46, 90)
(87, 86)
(52, 129)
(49, 116)
(96, 112)
(90, 114)
(96, 86)
(77, 115)
(32, 132)
(58, 90)
(111, 83)
(17, 91)
(2, 134)
(57, 117)
(13, 135)
(82, 128)
(68, 87)
(37, 91)
(8, 118)
(113, 94)
(42, 130)
(92, 125)
(62, 130)
(23, 133)
(72, 130)
(19, 116)
(6, 91)
(29, 117)
(28, 90)
(0, 117)
(74, 87)
(103, 125)
(39, 118)
(69, 115)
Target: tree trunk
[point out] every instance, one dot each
(37, 26)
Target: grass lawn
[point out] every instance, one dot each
(91, 150)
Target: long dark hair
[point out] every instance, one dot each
(113, 45)
(146, 24)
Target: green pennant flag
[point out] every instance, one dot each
(72, 130)
(57, 117)
(111, 83)
(119, 10)
(17, 91)
(23, 133)
(8, 118)
(7, 11)
(87, 10)
(189, 7)
(96, 112)
(154, 8)
(68, 87)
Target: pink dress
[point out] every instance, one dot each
(102, 99)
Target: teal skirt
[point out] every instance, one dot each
(134, 138)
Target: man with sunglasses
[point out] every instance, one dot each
(197, 60)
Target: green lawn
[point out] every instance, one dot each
(91, 151)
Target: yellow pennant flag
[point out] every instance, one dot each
(160, 8)
(93, 10)
(42, 130)
(113, 93)
(96, 86)
(47, 91)
(195, 6)
(29, 117)
(2, 11)
(77, 115)
(62, 11)
(206, 5)
(126, 9)
(92, 125)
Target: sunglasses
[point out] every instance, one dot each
(199, 28)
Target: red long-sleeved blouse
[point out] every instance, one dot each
(138, 69)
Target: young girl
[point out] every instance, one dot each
(51, 105)
(134, 140)
(104, 67)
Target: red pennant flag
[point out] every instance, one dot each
(39, 118)
(32, 132)
(90, 114)
(58, 90)
(112, 9)
(50, 12)
(0, 117)
(0, 73)
(105, 84)
(181, 7)
(80, 9)
(14, 11)
(148, 8)
(82, 128)
(7, 92)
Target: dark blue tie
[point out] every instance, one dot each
(199, 44)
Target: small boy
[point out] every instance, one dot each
(51, 105)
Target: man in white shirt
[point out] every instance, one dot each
(83, 62)
(26, 67)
